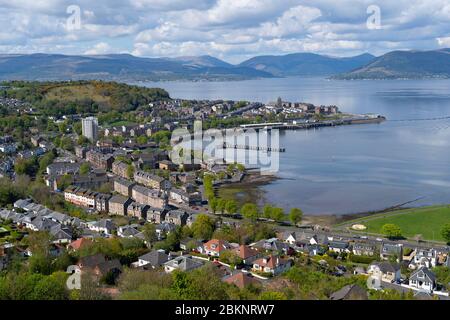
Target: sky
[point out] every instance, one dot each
(232, 30)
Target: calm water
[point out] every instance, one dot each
(353, 168)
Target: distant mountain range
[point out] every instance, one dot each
(404, 65)
(119, 67)
(308, 64)
(125, 67)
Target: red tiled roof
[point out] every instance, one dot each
(79, 243)
(245, 252)
(216, 245)
(241, 280)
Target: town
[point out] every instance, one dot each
(93, 186)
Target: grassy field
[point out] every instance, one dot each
(427, 221)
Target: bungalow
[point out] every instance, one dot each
(423, 279)
(182, 263)
(385, 271)
(153, 259)
(271, 264)
(242, 280)
(215, 247)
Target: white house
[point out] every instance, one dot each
(385, 271)
(424, 258)
(423, 279)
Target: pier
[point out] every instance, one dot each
(226, 145)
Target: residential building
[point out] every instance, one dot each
(156, 215)
(153, 259)
(80, 196)
(424, 258)
(151, 197)
(423, 279)
(364, 249)
(385, 271)
(389, 251)
(177, 217)
(120, 168)
(137, 210)
(124, 186)
(339, 246)
(151, 180)
(100, 160)
(105, 226)
(215, 247)
(182, 263)
(271, 264)
(62, 168)
(183, 197)
(102, 202)
(242, 280)
(247, 254)
(118, 205)
(89, 128)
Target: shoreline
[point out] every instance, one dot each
(253, 180)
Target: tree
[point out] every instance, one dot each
(85, 168)
(445, 232)
(203, 227)
(295, 215)
(231, 206)
(221, 203)
(213, 202)
(391, 231)
(130, 171)
(277, 214)
(149, 233)
(250, 211)
(267, 211)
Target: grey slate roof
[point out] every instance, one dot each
(184, 263)
(155, 258)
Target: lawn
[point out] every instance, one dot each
(426, 221)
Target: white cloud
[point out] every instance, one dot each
(230, 29)
(99, 48)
